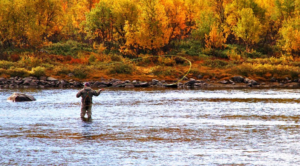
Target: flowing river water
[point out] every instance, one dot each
(152, 127)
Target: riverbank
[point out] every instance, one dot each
(234, 82)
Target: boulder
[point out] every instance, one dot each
(71, 75)
(118, 84)
(142, 84)
(154, 81)
(43, 78)
(200, 76)
(2, 79)
(191, 82)
(224, 82)
(238, 79)
(129, 85)
(19, 97)
(51, 79)
(273, 79)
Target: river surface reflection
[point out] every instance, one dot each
(152, 127)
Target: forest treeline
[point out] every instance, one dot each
(132, 27)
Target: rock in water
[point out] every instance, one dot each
(19, 97)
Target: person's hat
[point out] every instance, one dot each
(86, 84)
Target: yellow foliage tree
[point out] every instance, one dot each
(151, 32)
(123, 10)
(290, 36)
(248, 28)
(27, 23)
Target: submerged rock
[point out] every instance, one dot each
(19, 97)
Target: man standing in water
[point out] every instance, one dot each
(87, 94)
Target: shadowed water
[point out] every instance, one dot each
(152, 127)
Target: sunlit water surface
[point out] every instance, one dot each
(152, 127)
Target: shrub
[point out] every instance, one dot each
(234, 55)
(295, 64)
(47, 66)
(245, 69)
(21, 72)
(116, 58)
(215, 63)
(254, 54)
(268, 70)
(168, 61)
(166, 71)
(3, 71)
(68, 48)
(61, 70)
(14, 57)
(4, 55)
(100, 66)
(215, 53)
(92, 58)
(203, 57)
(80, 72)
(121, 68)
(6, 64)
(188, 47)
(38, 71)
(29, 61)
(195, 71)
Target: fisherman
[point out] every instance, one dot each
(87, 94)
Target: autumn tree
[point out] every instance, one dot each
(204, 23)
(215, 38)
(26, 23)
(248, 28)
(286, 9)
(151, 32)
(176, 14)
(290, 36)
(123, 11)
(232, 15)
(99, 23)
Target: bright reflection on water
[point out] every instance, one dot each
(152, 127)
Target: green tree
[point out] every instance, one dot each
(204, 23)
(99, 23)
(123, 11)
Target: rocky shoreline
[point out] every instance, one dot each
(234, 82)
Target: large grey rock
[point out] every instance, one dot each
(19, 97)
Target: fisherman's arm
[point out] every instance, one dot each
(97, 93)
(79, 94)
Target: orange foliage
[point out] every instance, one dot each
(14, 57)
(214, 39)
(75, 61)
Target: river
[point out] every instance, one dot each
(152, 127)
